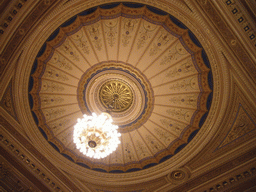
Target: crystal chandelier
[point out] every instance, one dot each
(96, 136)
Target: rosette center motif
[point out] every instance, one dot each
(116, 95)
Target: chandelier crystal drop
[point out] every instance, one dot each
(96, 136)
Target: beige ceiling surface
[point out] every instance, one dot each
(181, 87)
(111, 49)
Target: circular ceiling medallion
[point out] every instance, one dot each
(116, 95)
(108, 79)
(140, 64)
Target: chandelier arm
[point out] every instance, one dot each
(96, 140)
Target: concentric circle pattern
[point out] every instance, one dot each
(116, 95)
(138, 89)
(141, 65)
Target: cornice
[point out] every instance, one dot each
(239, 21)
(25, 24)
(228, 36)
(9, 11)
(215, 172)
(32, 159)
(12, 17)
(11, 168)
(234, 180)
(215, 153)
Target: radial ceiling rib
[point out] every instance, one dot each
(176, 136)
(63, 71)
(93, 37)
(53, 114)
(72, 146)
(147, 47)
(168, 117)
(154, 136)
(156, 146)
(176, 106)
(79, 51)
(114, 158)
(143, 40)
(108, 160)
(62, 122)
(96, 36)
(164, 80)
(64, 116)
(65, 138)
(152, 154)
(61, 63)
(70, 127)
(66, 94)
(189, 101)
(166, 83)
(160, 55)
(111, 32)
(184, 93)
(155, 53)
(49, 101)
(122, 148)
(129, 155)
(52, 87)
(118, 37)
(59, 82)
(91, 45)
(167, 67)
(63, 55)
(70, 52)
(79, 39)
(104, 39)
(141, 148)
(128, 32)
(179, 114)
(131, 138)
(133, 41)
(60, 129)
(59, 105)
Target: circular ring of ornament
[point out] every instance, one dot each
(116, 95)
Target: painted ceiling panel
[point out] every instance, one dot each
(140, 67)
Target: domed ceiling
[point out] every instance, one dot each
(138, 63)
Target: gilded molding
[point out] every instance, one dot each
(31, 165)
(215, 172)
(242, 19)
(243, 124)
(233, 179)
(19, 34)
(229, 36)
(7, 101)
(29, 161)
(11, 15)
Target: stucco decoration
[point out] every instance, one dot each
(154, 56)
(7, 101)
(178, 176)
(243, 124)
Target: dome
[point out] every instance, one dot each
(177, 77)
(143, 66)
